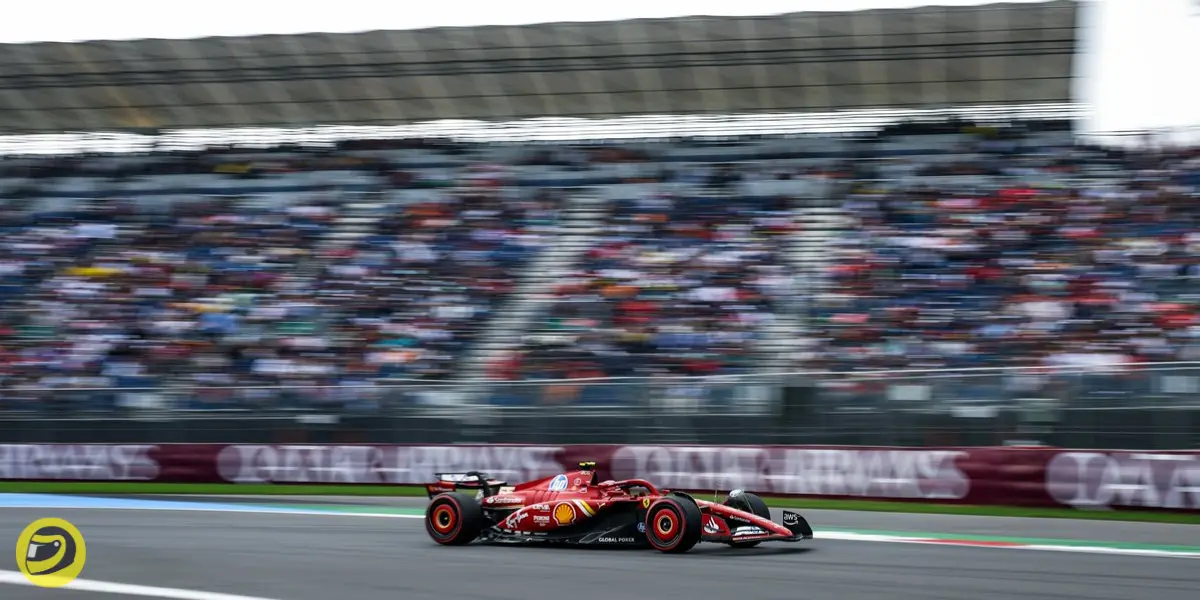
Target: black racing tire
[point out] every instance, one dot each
(674, 524)
(454, 519)
(751, 504)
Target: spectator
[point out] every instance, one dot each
(935, 276)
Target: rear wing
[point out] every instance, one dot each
(471, 480)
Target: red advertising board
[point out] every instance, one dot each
(990, 475)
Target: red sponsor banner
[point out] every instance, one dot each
(992, 475)
(381, 464)
(933, 474)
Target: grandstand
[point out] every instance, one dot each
(815, 62)
(812, 202)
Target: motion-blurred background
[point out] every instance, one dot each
(804, 223)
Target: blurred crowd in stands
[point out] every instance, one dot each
(384, 260)
(225, 285)
(1055, 274)
(671, 287)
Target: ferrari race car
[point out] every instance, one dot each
(577, 509)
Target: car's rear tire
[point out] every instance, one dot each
(751, 504)
(454, 519)
(673, 524)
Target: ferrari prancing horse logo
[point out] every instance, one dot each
(645, 503)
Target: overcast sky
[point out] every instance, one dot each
(1137, 67)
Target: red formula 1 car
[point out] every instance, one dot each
(577, 508)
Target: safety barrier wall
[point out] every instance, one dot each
(1030, 476)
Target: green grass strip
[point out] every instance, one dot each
(109, 488)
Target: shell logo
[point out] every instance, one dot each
(564, 514)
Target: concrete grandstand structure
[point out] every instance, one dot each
(927, 57)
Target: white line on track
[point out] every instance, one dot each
(128, 589)
(847, 536)
(1122, 551)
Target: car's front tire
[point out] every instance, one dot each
(673, 524)
(454, 519)
(751, 504)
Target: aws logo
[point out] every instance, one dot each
(51, 553)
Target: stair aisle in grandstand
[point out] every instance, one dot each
(357, 220)
(814, 246)
(776, 338)
(580, 222)
(810, 253)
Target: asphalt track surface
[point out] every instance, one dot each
(309, 557)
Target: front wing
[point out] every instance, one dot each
(726, 529)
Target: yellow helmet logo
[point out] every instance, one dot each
(51, 553)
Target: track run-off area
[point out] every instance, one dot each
(310, 549)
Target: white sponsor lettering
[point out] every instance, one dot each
(1096, 479)
(386, 464)
(505, 500)
(459, 478)
(515, 519)
(925, 474)
(614, 540)
(99, 462)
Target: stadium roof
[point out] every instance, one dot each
(997, 54)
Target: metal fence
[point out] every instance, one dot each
(1153, 406)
